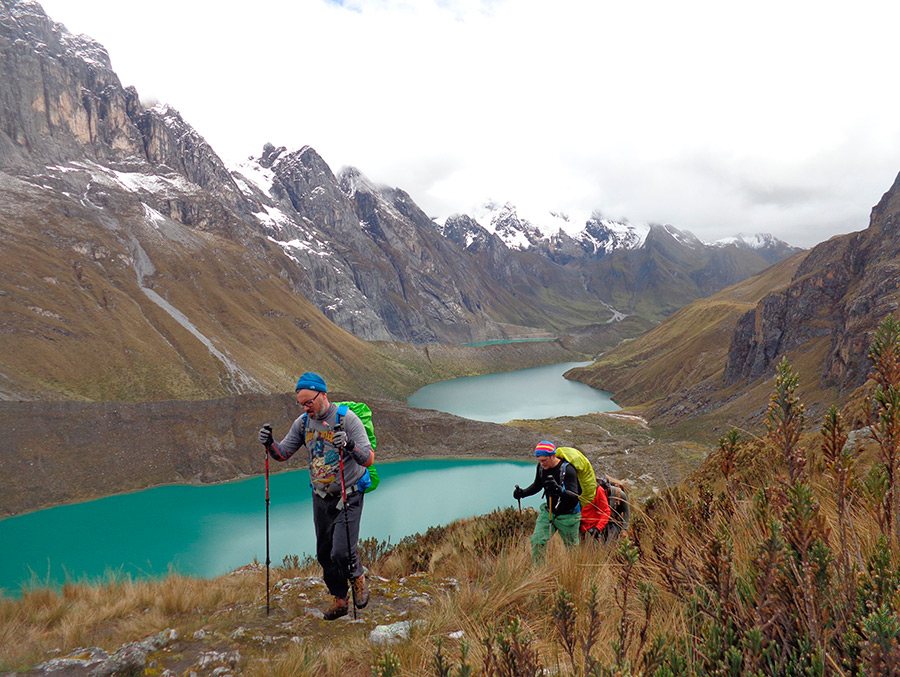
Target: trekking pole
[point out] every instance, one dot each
(347, 525)
(519, 500)
(268, 561)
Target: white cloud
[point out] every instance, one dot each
(711, 116)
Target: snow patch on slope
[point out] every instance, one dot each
(757, 241)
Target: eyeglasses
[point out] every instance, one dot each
(309, 403)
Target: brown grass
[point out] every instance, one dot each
(736, 579)
(685, 349)
(497, 586)
(108, 615)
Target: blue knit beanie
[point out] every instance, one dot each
(545, 448)
(311, 381)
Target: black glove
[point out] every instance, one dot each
(551, 486)
(518, 493)
(265, 435)
(340, 439)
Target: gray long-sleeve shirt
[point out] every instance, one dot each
(324, 457)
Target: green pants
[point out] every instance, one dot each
(544, 527)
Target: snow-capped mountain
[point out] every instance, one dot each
(602, 236)
(563, 238)
(516, 230)
(766, 245)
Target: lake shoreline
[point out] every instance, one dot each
(274, 470)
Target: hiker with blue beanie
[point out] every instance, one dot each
(338, 448)
(561, 510)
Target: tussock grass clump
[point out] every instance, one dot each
(109, 614)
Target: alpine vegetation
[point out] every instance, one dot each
(779, 556)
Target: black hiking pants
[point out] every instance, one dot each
(332, 549)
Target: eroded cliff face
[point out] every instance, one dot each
(61, 100)
(58, 92)
(844, 288)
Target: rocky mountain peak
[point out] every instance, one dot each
(353, 181)
(683, 237)
(464, 231)
(765, 245)
(27, 20)
(270, 154)
(516, 231)
(885, 214)
(60, 100)
(602, 236)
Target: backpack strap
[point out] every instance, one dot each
(341, 413)
(562, 473)
(562, 482)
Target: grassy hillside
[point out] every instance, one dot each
(778, 557)
(125, 311)
(79, 326)
(687, 349)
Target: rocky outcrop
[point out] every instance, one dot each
(58, 93)
(840, 293)
(61, 100)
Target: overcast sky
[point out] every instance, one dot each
(715, 117)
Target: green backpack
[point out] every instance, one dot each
(370, 480)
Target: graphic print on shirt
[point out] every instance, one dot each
(324, 459)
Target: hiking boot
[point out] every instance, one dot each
(360, 592)
(338, 608)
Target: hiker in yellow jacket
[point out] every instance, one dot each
(561, 510)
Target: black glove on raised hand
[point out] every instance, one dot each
(265, 435)
(551, 486)
(518, 493)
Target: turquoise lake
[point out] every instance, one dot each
(538, 392)
(212, 529)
